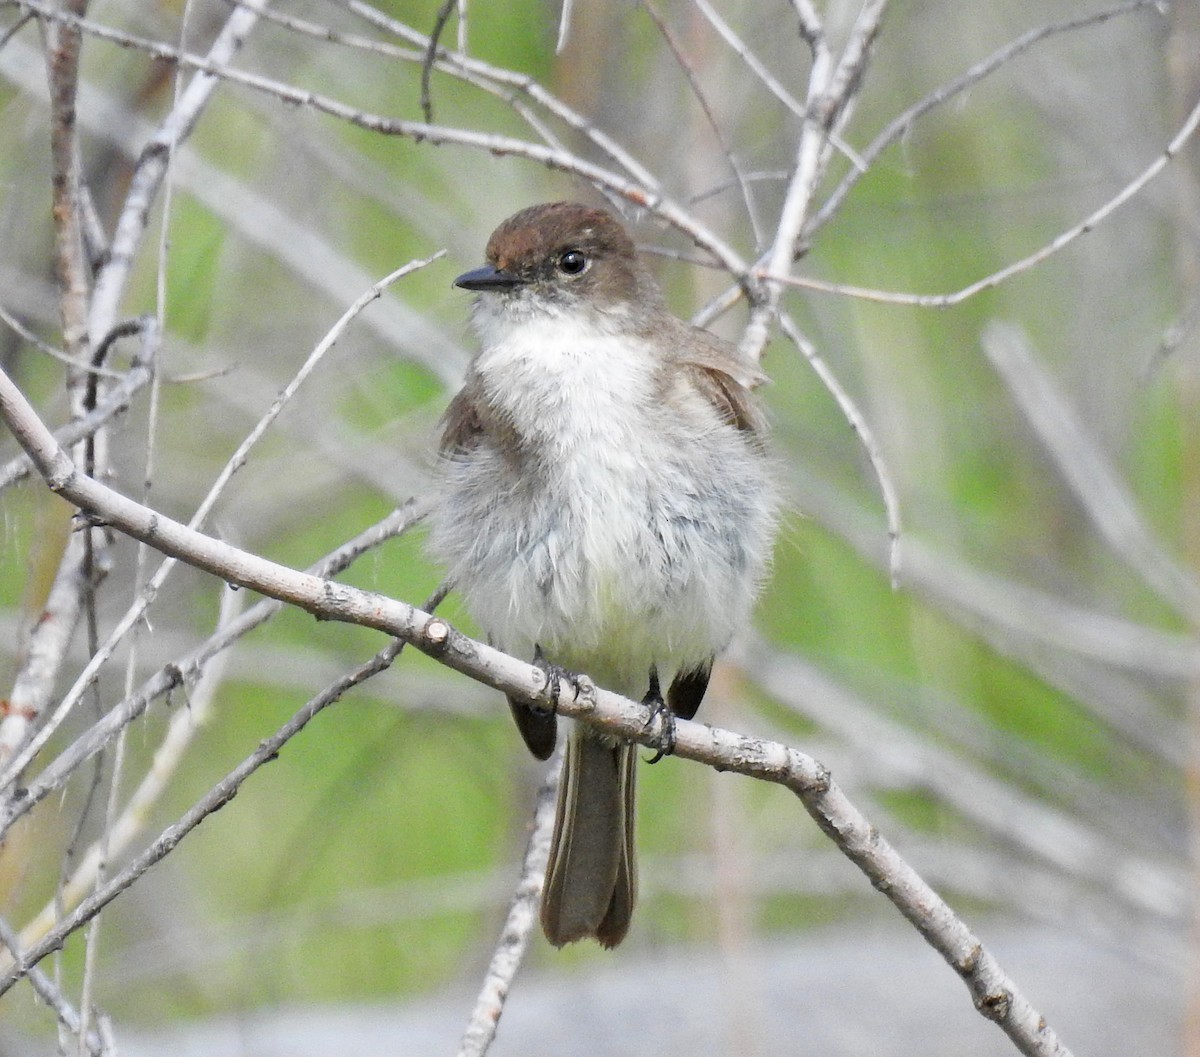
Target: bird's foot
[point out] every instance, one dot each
(661, 714)
(556, 676)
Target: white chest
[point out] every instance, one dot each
(617, 534)
(569, 385)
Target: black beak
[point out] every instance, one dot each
(489, 277)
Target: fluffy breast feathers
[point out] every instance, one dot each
(605, 496)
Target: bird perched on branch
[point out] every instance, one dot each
(606, 508)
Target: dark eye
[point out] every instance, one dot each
(572, 263)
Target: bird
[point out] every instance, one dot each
(606, 506)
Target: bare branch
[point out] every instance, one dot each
(49, 992)
(831, 91)
(1059, 242)
(28, 335)
(752, 61)
(152, 167)
(866, 437)
(503, 84)
(439, 24)
(520, 922)
(770, 274)
(48, 641)
(768, 79)
(216, 798)
(15, 28)
(185, 669)
(812, 29)
(564, 27)
(120, 831)
(995, 995)
(261, 221)
(65, 41)
(236, 461)
(1052, 639)
(116, 400)
(476, 71)
(900, 125)
(847, 78)
(634, 191)
(697, 89)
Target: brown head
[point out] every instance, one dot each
(565, 255)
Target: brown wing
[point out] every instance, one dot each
(462, 428)
(461, 423)
(735, 403)
(468, 418)
(723, 376)
(708, 351)
(725, 379)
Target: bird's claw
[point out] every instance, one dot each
(662, 714)
(555, 675)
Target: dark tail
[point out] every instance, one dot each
(591, 878)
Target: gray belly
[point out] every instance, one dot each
(607, 573)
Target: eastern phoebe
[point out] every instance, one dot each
(606, 508)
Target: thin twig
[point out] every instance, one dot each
(564, 27)
(15, 28)
(900, 125)
(216, 798)
(152, 166)
(114, 402)
(756, 66)
(640, 194)
(70, 594)
(476, 71)
(439, 24)
(493, 83)
(775, 176)
(693, 80)
(894, 131)
(25, 334)
(812, 29)
(1059, 242)
(519, 923)
(48, 930)
(103, 849)
(866, 437)
(120, 830)
(259, 220)
(50, 993)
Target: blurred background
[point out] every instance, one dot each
(1016, 716)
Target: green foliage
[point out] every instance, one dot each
(195, 266)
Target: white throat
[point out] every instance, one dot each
(562, 375)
